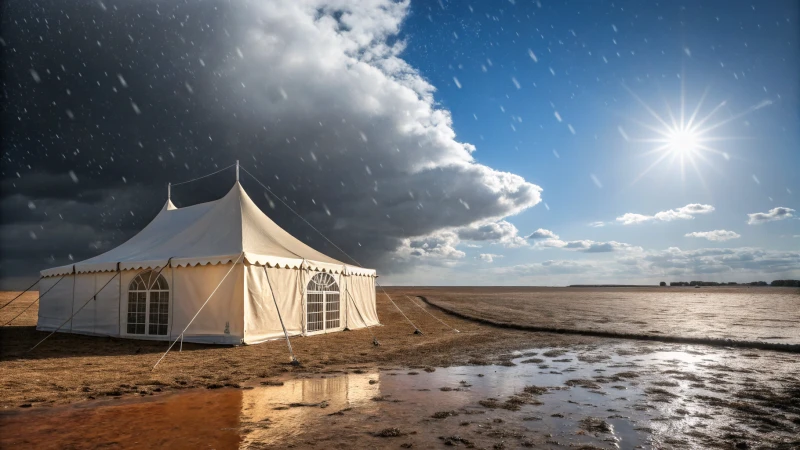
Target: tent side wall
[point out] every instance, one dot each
(261, 322)
(362, 290)
(55, 306)
(100, 312)
(220, 322)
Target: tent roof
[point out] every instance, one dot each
(211, 233)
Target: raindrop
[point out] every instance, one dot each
(135, 108)
(122, 80)
(35, 76)
(596, 181)
(533, 55)
(458, 84)
(73, 176)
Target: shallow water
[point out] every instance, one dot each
(300, 411)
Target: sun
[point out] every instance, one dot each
(685, 139)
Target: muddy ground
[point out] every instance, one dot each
(68, 368)
(484, 387)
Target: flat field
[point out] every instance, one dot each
(768, 314)
(483, 387)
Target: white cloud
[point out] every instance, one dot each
(730, 261)
(597, 224)
(587, 246)
(437, 248)
(500, 232)
(778, 213)
(715, 235)
(489, 257)
(685, 213)
(541, 233)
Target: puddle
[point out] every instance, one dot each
(630, 400)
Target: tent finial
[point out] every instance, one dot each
(169, 191)
(237, 170)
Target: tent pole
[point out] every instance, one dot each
(237, 170)
(294, 360)
(119, 305)
(72, 306)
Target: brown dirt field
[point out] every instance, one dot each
(71, 368)
(738, 313)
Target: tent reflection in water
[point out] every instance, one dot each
(161, 278)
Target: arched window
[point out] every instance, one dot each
(148, 304)
(322, 303)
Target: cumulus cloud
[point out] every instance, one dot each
(313, 96)
(587, 246)
(715, 235)
(500, 232)
(436, 248)
(541, 233)
(489, 257)
(685, 213)
(774, 214)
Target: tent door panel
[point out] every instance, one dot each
(316, 308)
(331, 310)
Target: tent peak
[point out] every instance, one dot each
(169, 206)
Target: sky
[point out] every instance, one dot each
(442, 143)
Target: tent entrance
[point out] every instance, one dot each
(148, 305)
(323, 305)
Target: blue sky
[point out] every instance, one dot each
(586, 54)
(440, 142)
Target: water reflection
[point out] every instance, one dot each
(274, 413)
(638, 396)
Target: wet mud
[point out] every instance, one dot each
(599, 396)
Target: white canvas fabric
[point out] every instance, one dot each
(194, 248)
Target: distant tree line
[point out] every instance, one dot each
(787, 283)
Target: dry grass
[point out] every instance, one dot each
(69, 368)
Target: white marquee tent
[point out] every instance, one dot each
(222, 268)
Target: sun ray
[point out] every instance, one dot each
(687, 141)
(737, 116)
(649, 109)
(650, 167)
(697, 109)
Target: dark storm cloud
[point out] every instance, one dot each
(105, 102)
